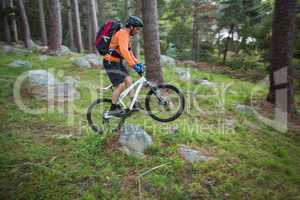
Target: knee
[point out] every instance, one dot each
(121, 86)
(128, 80)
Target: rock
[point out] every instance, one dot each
(134, 140)
(39, 83)
(43, 57)
(65, 51)
(244, 109)
(189, 63)
(42, 49)
(91, 56)
(192, 155)
(7, 49)
(167, 61)
(65, 91)
(183, 74)
(82, 63)
(21, 63)
(203, 82)
(94, 60)
(207, 83)
(44, 86)
(71, 81)
(19, 51)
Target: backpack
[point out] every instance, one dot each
(105, 35)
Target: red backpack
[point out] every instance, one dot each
(105, 35)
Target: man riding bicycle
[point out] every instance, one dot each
(119, 49)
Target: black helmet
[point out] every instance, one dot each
(134, 21)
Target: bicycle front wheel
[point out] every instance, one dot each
(97, 120)
(165, 103)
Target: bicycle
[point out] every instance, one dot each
(162, 95)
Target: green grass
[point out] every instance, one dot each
(250, 163)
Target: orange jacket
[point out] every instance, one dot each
(121, 43)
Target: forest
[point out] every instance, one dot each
(217, 99)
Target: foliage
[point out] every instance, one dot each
(249, 160)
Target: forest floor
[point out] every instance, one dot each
(49, 156)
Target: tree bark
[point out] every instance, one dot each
(151, 42)
(93, 24)
(6, 23)
(227, 43)
(281, 68)
(195, 37)
(137, 39)
(25, 24)
(128, 8)
(55, 26)
(43, 23)
(70, 24)
(14, 23)
(78, 36)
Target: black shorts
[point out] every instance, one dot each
(116, 72)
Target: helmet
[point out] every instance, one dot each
(134, 21)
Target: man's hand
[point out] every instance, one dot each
(139, 68)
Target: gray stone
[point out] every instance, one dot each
(43, 57)
(65, 51)
(94, 60)
(167, 61)
(39, 83)
(207, 83)
(244, 109)
(91, 56)
(134, 140)
(7, 49)
(183, 73)
(44, 86)
(82, 63)
(21, 63)
(19, 51)
(192, 155)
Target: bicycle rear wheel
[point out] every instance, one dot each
(165, 103)
(97, 120)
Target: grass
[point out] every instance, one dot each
(251, 161)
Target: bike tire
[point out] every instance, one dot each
(93, 125)
(181, 104)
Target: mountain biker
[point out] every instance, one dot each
(119, 49)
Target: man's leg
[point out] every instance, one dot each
(116, 93)
(129, 82)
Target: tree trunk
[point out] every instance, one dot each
(281, 91)
(43, 23)
(195, 37)
(128, 8)
(14, 23)
(137, 39)
(78, 36)
(227, 43)
(151, 41)
(93, 24)
(26, 29)
(55, 26)
(6, 23)
(70, 24)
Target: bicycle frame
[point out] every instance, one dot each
(139, 84)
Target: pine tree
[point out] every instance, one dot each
(43, 23)
(25, 25)
(282, 55)
(151, 38)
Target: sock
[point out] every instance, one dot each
(113, 106)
